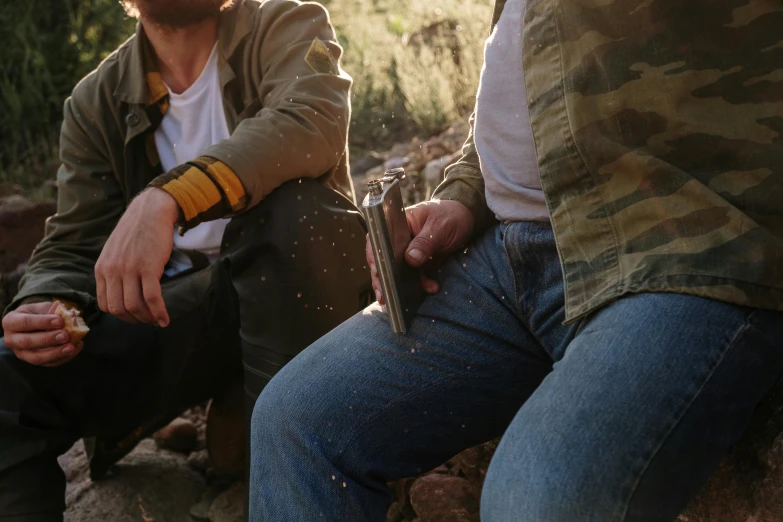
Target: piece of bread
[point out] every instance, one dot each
(74, 323)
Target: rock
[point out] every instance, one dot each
(748, 485)
(21, 228)
(443, 469)
(200, 511)
(401, 490)
(396, 162)
(444, 498)
(403, 149)
(9, 286)
(180, 435)
(433, 172)
(199, 460)
(413, 188)
(148, 484)
(473, 462)
(198, 416)
(375, 173)
(229, 506)
(395, 513)
(371, 160)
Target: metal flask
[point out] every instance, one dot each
(389, 237)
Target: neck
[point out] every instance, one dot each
(181, 52)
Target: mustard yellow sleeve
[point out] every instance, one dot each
(205, 189)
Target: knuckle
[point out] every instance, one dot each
(10, 341)
(112, 266)
(423, 243)
(24, 322)
(152, 298)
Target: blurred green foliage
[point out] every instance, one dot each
(47, 47)
(415, 65)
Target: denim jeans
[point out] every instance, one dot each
(622, 415)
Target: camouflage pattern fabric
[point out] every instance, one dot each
(659, 133)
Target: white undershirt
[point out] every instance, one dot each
(195, 121)
(503, 135)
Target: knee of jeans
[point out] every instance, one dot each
(528, 493)
(272, 414)
(284, 417)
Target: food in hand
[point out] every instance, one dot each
(74, 323)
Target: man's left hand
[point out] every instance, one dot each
(128, 271)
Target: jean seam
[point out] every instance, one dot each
(740, 331)
(513, 275)
(342, 452)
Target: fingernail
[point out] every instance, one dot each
(162, 323)
(68, 350)
(56, 323)
(378, 295)
(61, 337)
(416, 254)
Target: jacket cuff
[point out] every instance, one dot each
(82, 301)
(47, 298)
(205, 189)
(455, 189)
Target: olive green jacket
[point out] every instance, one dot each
(659, 134)
(287, 106)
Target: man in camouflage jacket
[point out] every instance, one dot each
(289, 267)
(620, 342)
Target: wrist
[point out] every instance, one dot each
(165, 204)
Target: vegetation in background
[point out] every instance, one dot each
(47, 46)
(415, 65)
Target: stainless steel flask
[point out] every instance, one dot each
(390, 236)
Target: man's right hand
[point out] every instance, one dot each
(37, 337)
(439, 227)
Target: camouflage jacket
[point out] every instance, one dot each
(287, 106)
(659, 134)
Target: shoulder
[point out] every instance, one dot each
(273, 6)
(266, 12)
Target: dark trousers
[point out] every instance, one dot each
(292, 268)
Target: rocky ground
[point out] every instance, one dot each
(172, 476)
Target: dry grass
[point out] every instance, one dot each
(401, 54)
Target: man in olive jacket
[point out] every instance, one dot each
(226, 122)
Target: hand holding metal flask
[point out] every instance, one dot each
(390, 235)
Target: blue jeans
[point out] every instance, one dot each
(622, 415)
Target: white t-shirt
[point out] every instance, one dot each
(195, 120)
(503, 135)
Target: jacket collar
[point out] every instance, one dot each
(139, 81)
